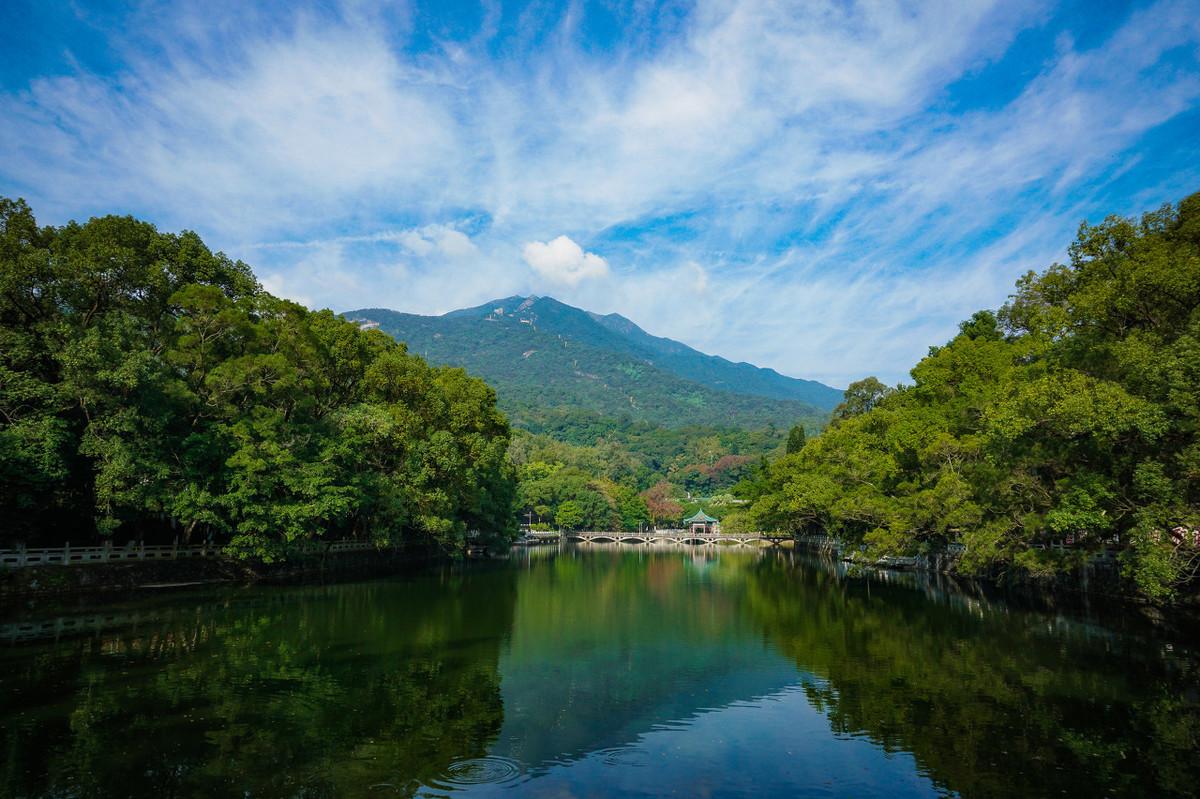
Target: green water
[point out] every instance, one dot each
(588, 673)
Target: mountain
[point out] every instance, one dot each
(544, 356)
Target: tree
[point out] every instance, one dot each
(661, 504)
(860, 397)
(632, 509)
(569, 515)
(795, 439)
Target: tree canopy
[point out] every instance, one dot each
(1061, 425)
(149, 387)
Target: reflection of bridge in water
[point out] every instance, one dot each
(678, 537)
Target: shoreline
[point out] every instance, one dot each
(1097, 587)
(23, 585)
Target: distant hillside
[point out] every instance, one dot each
(615, 332)
(544, 356)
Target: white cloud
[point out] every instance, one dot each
(564, 262)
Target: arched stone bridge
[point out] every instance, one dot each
(678, 537)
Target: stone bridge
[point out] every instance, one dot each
(678, 537)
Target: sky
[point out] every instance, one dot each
(825, 188)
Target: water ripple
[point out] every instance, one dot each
(635, 758)
(488, 770)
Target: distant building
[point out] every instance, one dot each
(702, 523)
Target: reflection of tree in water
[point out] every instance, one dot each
(328, 694)
(991, 703)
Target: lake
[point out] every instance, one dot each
(601, 671)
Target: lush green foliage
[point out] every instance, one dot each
(699, 460)
(1040, 435)
(572, 498)
(796, 438)
(636, 475)
(148, 385)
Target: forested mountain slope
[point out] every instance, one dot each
(546, 358)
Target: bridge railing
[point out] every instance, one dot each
(68, 555)
(677, 534)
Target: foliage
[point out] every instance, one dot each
(796, 438)
(645, 454)
(572, 498)
(661, 503)
(569, 515)
(1038, 436)
(634, 477)
(149, 386)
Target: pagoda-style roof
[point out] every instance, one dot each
(700, 518)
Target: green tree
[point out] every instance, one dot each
(632, 509)
(860, 397)
(796, 438)
(569, 515)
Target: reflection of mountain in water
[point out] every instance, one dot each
(607, 646)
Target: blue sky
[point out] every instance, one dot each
(825, 188)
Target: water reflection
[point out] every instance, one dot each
(603, 672)
(314, 692)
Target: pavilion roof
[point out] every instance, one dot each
(700, 518)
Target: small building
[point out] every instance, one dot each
(702, 523)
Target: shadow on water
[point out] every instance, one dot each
(605, 671)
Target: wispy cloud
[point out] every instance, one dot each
(834, 184)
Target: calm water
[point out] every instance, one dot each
(600, 673)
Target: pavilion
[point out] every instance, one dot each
(702, 523)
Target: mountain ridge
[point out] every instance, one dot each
(810, 391)
(541, 353)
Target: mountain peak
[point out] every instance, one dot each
(545, 347)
